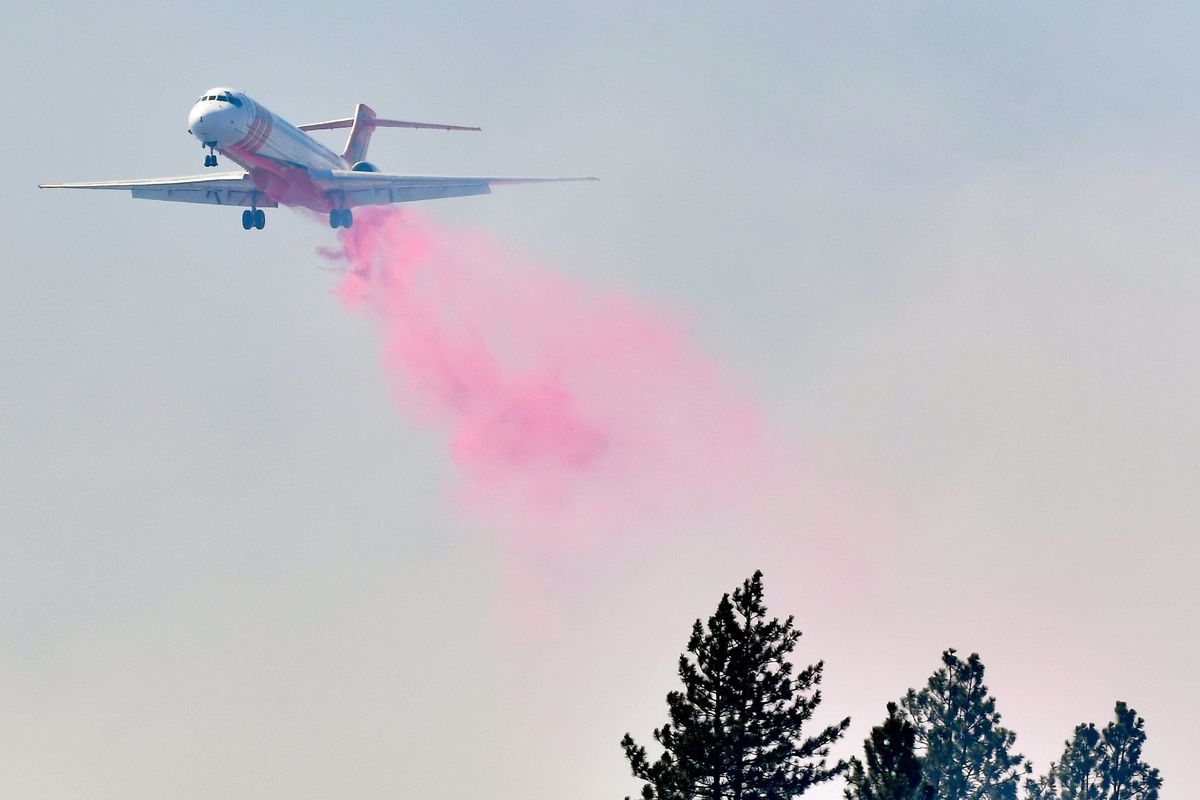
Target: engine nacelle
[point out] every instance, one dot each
(364, 166)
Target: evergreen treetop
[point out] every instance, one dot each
(966, 753)
(892, 770)
(1101, 765)
(736, 730)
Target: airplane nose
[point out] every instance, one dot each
(197, 124)
(214, 123)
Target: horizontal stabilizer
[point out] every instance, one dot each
(382, 123)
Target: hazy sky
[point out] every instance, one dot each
(949, 249)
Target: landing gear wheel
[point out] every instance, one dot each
(336, 216)
(260, 219)
(347, 218)
(247, 219)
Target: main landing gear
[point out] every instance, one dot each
(210, 160)
(254, 218)
(340, 218)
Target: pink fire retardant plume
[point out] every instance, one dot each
(569, 411)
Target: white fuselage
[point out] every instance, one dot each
(240, 126)
(275, 152)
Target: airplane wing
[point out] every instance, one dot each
(221, 188)
(355, 188)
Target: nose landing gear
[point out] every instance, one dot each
(341, 218)
(254, 218)
(210, 160)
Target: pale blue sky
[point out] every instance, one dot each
(951, 248)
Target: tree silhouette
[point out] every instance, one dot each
(966, 753)
(1124, 776)
(1103, 765)
(736, 729)
(892, 770)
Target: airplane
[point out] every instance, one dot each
(282, 165)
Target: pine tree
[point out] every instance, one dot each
(892, 770)
(1043, 788)
(1077, 767)
(1124, 776)
(1076, 774)
(1099, 765)
(736, 729)
(966, 753)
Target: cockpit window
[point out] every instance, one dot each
(235, 100)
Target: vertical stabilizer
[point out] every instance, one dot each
(360, 134)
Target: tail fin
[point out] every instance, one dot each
(361, 128)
